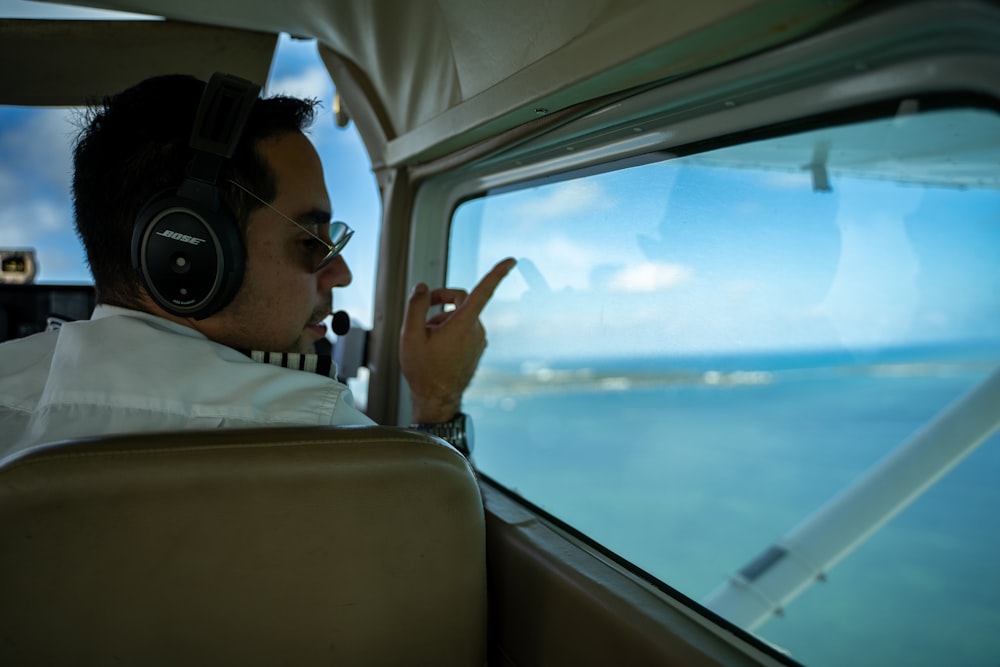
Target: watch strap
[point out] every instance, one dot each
(455, 432)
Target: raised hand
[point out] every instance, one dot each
(438, 356)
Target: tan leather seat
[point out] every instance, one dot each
(287, 546)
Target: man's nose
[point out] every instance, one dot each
(335, 274)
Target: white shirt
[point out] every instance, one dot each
(126, 371)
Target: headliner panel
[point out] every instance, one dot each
(76, 62)
(448, 73)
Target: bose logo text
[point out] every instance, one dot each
(177, 236)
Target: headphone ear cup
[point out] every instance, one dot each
(190, 256)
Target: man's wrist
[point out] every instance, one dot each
(435, 410)
(457, 431)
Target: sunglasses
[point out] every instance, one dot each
(340, 232)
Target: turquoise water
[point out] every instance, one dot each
(691, 467)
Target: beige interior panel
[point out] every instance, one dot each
(71, 63)
(449, 73)
(554, 601)
(283, 546)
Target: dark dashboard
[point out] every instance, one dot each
(26, 309)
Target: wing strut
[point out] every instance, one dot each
(769, 582)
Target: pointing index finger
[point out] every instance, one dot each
(481, 294)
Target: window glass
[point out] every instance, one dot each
(695, 354)
(35, 207)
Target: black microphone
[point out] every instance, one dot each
(341, 323)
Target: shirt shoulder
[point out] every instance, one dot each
(119, 372)
(24, 365)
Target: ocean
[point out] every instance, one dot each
(689, 467)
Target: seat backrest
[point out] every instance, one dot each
(284, 546)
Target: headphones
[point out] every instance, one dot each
(187, 248)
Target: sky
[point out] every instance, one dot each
(683, 257)
(36, 168)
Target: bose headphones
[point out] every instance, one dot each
(187, 247)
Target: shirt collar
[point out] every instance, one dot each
(321, 364)
(104, 310)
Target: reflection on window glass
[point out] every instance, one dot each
(695, 354)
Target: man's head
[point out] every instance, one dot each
(136, 146)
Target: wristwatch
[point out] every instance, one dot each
(458, 432)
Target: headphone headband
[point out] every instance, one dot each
(222, 114)
(188, 249)
(218, 125)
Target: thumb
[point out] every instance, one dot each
(415, 317)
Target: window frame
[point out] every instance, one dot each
(859, 71)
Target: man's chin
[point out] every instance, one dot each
(310, 335)
(315, 331)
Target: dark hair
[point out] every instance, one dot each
(135, 145)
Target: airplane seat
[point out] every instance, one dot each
(297, 546)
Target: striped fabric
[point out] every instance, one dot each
(312, 363)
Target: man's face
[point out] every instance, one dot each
(282, 300)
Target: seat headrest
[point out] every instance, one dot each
(335, 545)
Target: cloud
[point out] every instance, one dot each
(789, 180)
(570, 198)
(312, 82)
(566, 263)
(650, 277)
(36, 151)
(35, 174)
(25, 223)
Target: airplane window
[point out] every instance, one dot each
(695, 354)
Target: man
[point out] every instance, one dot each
(156, 355)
